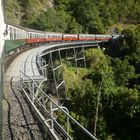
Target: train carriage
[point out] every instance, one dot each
(33, 37)
(70, 37)
(14, 37)
(53, 37)
(100, 37)
(87, 37)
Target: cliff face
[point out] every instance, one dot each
(20, 10)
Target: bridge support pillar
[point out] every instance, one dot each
(77, 56)
(56, 66)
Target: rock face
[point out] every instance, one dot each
(20, 10)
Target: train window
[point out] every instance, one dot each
(14, 32)
(29, 35)
(17, 37)
(11, 32)
(24, 35)
(17, 33)
(20, 34)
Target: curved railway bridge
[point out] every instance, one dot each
(28, 75)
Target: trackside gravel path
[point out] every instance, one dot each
(18, 121)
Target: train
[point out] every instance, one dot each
(17, 36)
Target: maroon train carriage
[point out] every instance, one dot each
(87, 37)
(70, 37)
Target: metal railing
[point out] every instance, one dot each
(49, 110)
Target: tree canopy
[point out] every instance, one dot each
(116, 77)
(88, 16)
(114, 74)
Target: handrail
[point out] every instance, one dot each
(76, 122)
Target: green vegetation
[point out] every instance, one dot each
(116, 77)
(73, 16)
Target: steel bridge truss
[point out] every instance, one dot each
(46, 95)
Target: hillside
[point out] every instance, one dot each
(88, 16)
(112, 79)
(22, 10)
(112, 75)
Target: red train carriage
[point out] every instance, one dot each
(32, 37)
(70, 37)
(87, 37)
(103, 37)
(53, 37)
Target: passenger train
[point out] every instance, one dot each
(16, 36)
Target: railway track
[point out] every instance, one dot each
(18, 120)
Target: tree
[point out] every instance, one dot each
(121, 110)
(123, 72)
